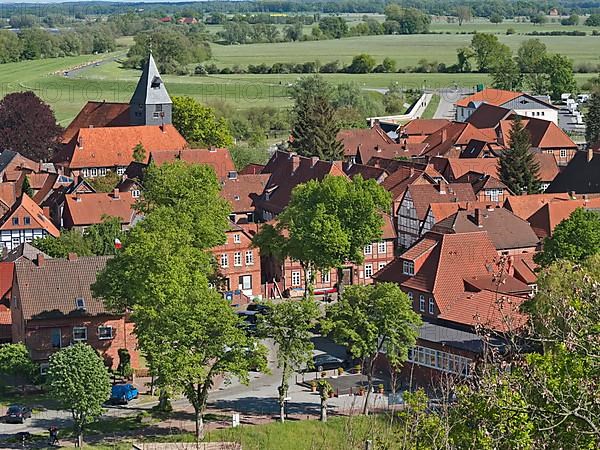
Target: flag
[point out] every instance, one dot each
(117, 244)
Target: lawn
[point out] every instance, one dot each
(407, 50)
(431, 107)
(348, 433)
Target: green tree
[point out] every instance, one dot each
(517, 166)
(559, 71)
(593, 20)
(325, 391)
(289, 325)
(506, 75)
(334, 27)
(592, 118)
(69, 241)
(327, 224)
(79, 380)
(314, 128)
(198, 124)
(464, 55)
(530, 58)
(496, 18)
(16, 362)
(369, 319)
(101, 237)
(106, 183)
(488, 50)
(139, 153)
(26, 187)
(362, 63)
(574, 239)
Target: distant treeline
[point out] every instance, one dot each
(480, 8)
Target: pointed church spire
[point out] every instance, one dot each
(150, 103)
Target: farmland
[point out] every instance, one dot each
(110, 82)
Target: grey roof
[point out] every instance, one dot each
(26, 251)
(580, 175)
(5, 158)
(150, 89)
(49, 290)
(454, 338)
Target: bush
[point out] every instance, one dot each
(510, 31)
(200, 70)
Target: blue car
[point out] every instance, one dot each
(122, 393)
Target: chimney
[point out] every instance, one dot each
(72, 256)
(115, 194)
(39, 261)
(489, 207)
(478, 218)
(212, 149)
(572, 195)
(46, 210)
(80, 142)
(295, 162)
(313, 160)
(590, 154)
(377, 149)
(443, 187)
(412, 171)
(162, 127)
(404, 145)
(77, 196)
(444, 134)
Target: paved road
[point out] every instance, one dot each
(449, 96)
(258, 398)
(74, 73)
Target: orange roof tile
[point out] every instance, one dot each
(243, 190)
(422, 127)
(90, 209)
(218, 158)
(496, 97)
(98, 115)
(524, 206)
(37, 218)
(113, 146)
(356, 138)
(6, 277)
(424, 195)
(545, 219)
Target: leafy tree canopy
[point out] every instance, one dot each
(199, 125)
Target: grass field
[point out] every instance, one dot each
(112, 83)
(407, 50)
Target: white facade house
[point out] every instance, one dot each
(523, 104)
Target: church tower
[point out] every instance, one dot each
(150, 104)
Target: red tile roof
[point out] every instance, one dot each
(404, 176)
(456, 134)
(6, 277)
(356, 138)
(497, 97)
(545, 219)
(27, 207)
(90, 209)
(424, 195)
(524, 267)
(8, 194)
(218, 158)
(252, 169)
(243, 190)
(98, 115)
(422, 127)
(113, 146)
(287, 171)
(543, 134)
(524, 206)
(391, 151)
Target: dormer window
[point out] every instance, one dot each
(232, 175)
(156, 82)
(408, 267)
(80, 303)
(237, 239)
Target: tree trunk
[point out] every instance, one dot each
(340, 282)
(283, 388)
(323, 410)
(163, 400)
(199, 426)
(79, 436)
(369, 386)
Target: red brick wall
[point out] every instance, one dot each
(233, 272)
(39, 342)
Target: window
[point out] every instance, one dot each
(158, 108)
(79, 333)
(93, 172)
(155, 115)
(121, 170)
(421, 302)
(431, 306)
(368, 249)
(325, 277)
(249, 257)
(44, 368)
(105, 332)
(246, 282)
(80, 303)
(27, 220)
(381, 247)
(381, 265)
(56, 338)
(408, 267)
(224, 260)
(494, 194)
(237, 259)
(368, 270)
(410, 296)
(295, 278)
(563, 153)
(15, 221)
(237, 239)
(135, 193)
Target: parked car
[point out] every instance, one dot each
(121, 394)
(18, 414)
(326, 362)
